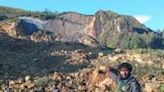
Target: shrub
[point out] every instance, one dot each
(162, 88)
(41, 82)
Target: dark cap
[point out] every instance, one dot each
(125, 65)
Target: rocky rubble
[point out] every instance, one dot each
(88, 80)
(28, 66)
(9, 28)
(148, 58)
(66, 54)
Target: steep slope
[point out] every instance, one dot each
(104, 28)
(103, 20)
(8, 12)
(42, 66)
(67, 26)
(110, 20)
(71, 26)
(28, 57)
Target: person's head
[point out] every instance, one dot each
(125, 70)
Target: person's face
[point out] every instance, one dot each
(124, 72)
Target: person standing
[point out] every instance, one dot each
(124, 80)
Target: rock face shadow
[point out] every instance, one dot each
(19, 58)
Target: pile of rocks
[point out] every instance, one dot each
(88, 80)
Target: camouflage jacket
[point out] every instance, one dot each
(127, 85)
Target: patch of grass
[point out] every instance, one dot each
(153, 52)
(42, 82)
(146, 69)
(162, 88)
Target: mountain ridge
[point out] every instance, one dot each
(66, 53)
(106, 27)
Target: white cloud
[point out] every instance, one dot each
(142, 18)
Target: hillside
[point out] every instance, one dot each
(36, 66)
(105, 27)
(70, 52)
(8, 13)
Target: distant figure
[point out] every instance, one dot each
(55, 89)
(122, 76)
(6, 86)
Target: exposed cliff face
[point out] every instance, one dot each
(73, 26)
(67, 26)
(30, 66)
(109, 20)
